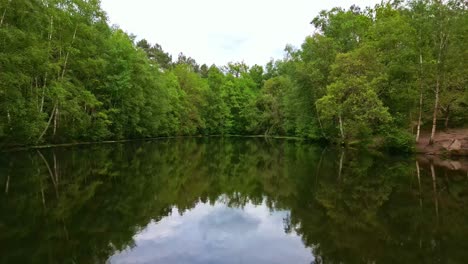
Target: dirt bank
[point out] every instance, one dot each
(451, 142)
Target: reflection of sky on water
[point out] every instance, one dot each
(217, 234)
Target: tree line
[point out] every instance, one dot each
(375, 75)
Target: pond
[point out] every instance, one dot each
(228, 200)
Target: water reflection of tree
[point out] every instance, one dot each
(373, 215)
(80, 205)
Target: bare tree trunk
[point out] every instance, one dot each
(418, 133)
(56, 119)
(3, 17)
(68, 53)
(37, 93)
(436, 108)
(43, 93)
(268, 131)
(31, 88)
(51, 30)
(48, 54)
(443, 38)
(341, 128)
(319, 121)
(62, 76)
(48, 123)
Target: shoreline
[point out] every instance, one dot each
(425, 154)
(71, 144)
(448, 143)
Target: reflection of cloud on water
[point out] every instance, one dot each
(217, 234)
(228, 220)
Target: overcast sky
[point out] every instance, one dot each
(219, 31)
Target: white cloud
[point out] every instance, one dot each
(219, 31)
(217, 234)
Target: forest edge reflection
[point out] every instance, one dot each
(82, 204)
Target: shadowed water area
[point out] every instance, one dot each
(228, 201)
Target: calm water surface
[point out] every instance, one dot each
(228, 201)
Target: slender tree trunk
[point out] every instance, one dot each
(56, 119)
(36, 93)
(43, 93)
(443, 38)
(62, 76)
(418, 131)
(268, 131)
(319, 121)
(51, 30)
(48, 54)
(3, 17)
(48, 123)
(68, 54)
(31, 89)
(341, 128)
(436, 108)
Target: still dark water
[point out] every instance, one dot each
(228, 201)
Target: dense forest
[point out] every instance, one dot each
(375, 75)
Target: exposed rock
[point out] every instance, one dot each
(456, 145)
(446, 144)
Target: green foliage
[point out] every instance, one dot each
(397, 140)
(66, 75)
(346, 27)
(351, 101)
